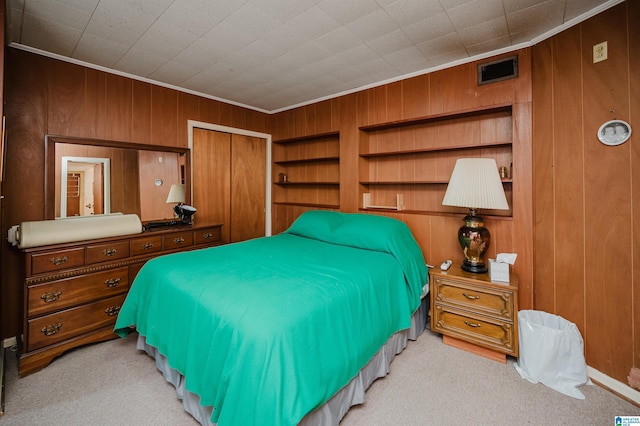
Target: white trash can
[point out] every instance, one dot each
(551, 352)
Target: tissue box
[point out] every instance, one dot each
(498, 271)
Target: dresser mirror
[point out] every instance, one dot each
(92, 177)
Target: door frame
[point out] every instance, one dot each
(193, 124)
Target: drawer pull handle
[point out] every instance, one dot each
(470, 324)
(50, 330)
(471, 297)
(112, 310)
(109, 252)
(147, 246)
(178, 240)
(51, 297)
(207, 236)
(112, 282)
(58, 260)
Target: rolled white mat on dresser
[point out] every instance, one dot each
(47, 232)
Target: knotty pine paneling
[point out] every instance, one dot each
(586, 193)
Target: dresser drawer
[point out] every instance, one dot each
(177, 240)
(147, 245)
(488, 332)
(490, 301)
(107, 252)
(56, 260)
(54, 328)
(61, 294)
(206, 235)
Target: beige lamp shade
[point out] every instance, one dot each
(176, 194)
(475, 184)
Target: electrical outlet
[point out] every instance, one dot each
(600, 52)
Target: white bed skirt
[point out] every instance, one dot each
(333, 410)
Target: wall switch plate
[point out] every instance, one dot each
(600, 52)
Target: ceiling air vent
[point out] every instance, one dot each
(500, 70)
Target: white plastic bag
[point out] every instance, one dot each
(551, 352)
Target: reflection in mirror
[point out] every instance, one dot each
(135, 178)
(86, 190)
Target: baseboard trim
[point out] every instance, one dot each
(9, 342)
(614, 385)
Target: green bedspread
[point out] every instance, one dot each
(268, 329)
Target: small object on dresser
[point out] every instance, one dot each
(446, 265)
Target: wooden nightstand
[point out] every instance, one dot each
(475, 314)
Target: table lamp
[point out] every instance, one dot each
(475, 184)
(176, 196)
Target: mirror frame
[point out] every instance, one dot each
(50, 142)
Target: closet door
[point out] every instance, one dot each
(229, 183)
(248, 159)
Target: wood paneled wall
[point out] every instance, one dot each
(47, 96)
(587, 195)
(444, 91)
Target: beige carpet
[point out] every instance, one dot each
(430, 383)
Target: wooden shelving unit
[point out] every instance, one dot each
(415, 157)
(311, 165)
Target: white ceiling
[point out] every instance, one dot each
(271, 55)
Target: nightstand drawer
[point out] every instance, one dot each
(54, 328)
(490, 301)
(61, 294)
(484, 331)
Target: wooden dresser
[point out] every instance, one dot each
(73, 291)
(470, 308)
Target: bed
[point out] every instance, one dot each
(285, 329)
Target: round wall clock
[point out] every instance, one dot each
(614, 132)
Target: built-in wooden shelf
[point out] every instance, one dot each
(433, 150)
(308, 138)
(415, 157)
(306, 171)
(434, 213)
(413, 182)
(305, 183)
(329, 159)
(439, 117)
(315, 205)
